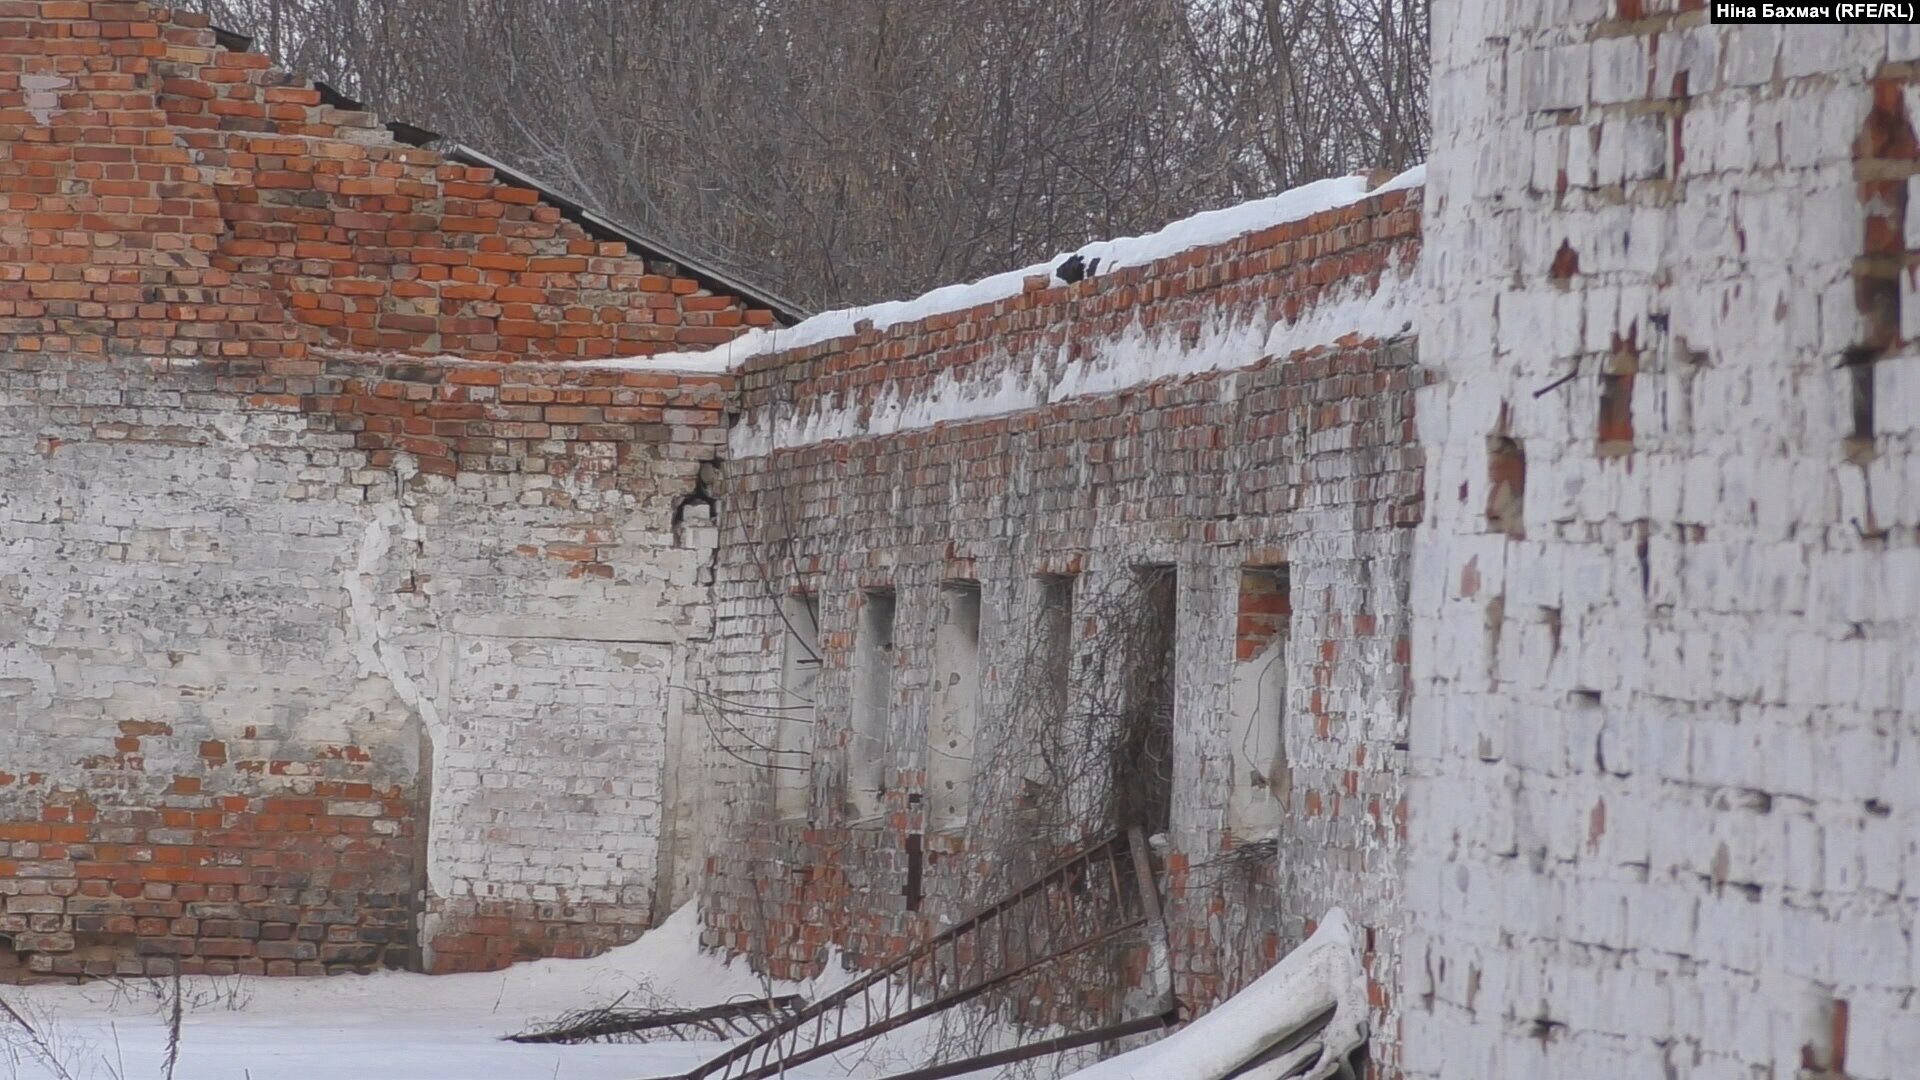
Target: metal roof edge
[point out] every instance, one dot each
(604, 228)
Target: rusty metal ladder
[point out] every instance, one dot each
(1096, 895)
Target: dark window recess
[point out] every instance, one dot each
(1143, 775)
(794, 716)
(1262, 779)
(1616, 415)
(1052, 685)
(1056, 637)
(872, 704)
(1859, 365)
(915, 869)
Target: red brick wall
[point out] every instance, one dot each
(168, 197)
(274, 884)
(453, 417)
(1304, 456)
(1265, 609)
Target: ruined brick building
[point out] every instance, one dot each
(1524, 560)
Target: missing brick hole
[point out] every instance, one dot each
(1496, 618)
(1877, 294)
(1584, 698)
(1827, 1054)
(1859, 365)
(1566, 264)
(1643, 554)
(1507, 485)
(694, 508)
(1615, 427)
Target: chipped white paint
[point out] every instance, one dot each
(168, 558)
(43, 95)
(1665, 795)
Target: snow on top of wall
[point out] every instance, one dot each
(1323, 971)
(1138, 355)
(1412, 178)
(1201, 230)
(1350, 309)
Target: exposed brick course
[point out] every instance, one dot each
(213, 884)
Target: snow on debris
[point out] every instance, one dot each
(1200, 230)
(1321, 972)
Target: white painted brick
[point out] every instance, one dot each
(1769, 635)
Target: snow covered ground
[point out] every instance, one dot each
(400, 1026)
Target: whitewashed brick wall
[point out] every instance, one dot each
(1666, 793)
(204, 597)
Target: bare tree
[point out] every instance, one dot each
(1302, 89)
(848, 150)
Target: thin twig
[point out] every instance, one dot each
(36, 1043)
(174, 1023)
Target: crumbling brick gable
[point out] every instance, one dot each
(173, 197)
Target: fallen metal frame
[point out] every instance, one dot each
(1084, 900)
(1292, 1041)
(728, 1020)
(1052, 1045)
